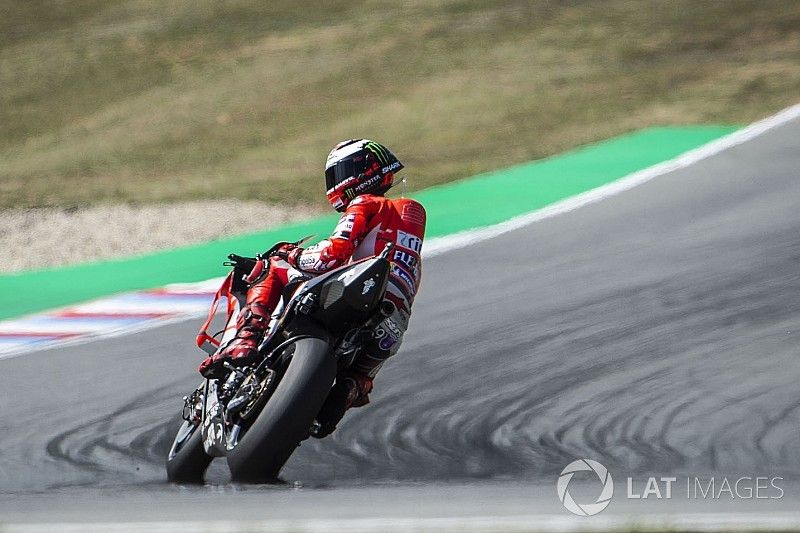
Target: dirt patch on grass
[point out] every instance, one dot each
(45, 237)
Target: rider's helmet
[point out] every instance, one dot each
(358, 166)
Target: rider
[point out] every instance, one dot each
(358, 172)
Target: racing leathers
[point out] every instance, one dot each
(368, 223)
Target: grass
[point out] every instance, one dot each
(148, 100)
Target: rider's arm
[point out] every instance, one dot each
(337, 249)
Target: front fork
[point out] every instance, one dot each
(213, 425)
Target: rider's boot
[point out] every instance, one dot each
(262, 299)
(351, 390)
(243, 348)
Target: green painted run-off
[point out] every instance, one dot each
(476, 202)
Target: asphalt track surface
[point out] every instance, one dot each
(656, 331)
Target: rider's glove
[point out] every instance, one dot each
(289, 253)
(257, 273)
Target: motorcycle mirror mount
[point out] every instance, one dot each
(304, 240)
(279, 244)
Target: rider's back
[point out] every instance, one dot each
(399, 221)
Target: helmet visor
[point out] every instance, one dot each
(339, 172)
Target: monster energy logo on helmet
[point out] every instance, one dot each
(358, 166)
(380, 152)
(388, 161)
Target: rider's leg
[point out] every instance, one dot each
(354, 384)
(254, 318)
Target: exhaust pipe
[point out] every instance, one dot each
(386, 309)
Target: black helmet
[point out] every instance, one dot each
(358, 166)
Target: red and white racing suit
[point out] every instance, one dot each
(366, 226)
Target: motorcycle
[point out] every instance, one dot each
(256, 416)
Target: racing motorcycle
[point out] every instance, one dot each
(256, 416)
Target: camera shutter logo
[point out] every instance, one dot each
(585, 509)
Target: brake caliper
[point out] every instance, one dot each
(193, 406)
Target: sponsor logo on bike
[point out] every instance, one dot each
(368, 286)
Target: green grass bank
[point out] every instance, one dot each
(476, 202)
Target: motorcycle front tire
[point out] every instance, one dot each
(187, 461)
